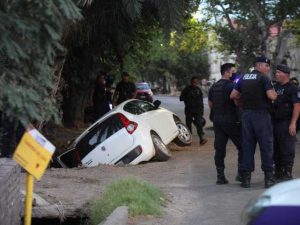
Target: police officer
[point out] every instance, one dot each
(125, 90)
(101, 97)
(225, 119)
(255, 91)
(193, 100)
(285, 115)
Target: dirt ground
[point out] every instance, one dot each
(187, 179)
(72, 189)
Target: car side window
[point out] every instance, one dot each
(98, 134)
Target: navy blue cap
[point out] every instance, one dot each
(283, 68)
(262, 59)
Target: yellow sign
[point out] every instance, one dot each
(34, 153)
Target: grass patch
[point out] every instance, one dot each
(140, 197)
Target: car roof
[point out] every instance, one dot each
(285, 193)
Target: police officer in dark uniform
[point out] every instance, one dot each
(285, 115)
(101, 97)
(225, 119)
(125, 90)
(256, 92)
(193, 100)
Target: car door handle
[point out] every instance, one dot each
(103, 148)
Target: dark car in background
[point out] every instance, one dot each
(144, 91)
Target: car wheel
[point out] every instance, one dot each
(162, 153)
(184, 137)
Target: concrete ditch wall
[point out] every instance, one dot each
(10, 198)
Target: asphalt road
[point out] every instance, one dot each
(194, 197)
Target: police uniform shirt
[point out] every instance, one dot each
(192, 97)
(287, 95)
(253, 87)
(222, 105)
(125, 91)
(229, 87)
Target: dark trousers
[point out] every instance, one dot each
(257, 127)
(193, 116)
(284, 144)
(225, 129)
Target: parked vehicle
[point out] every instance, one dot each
(133, 132)
(144, 91)
(278, 205)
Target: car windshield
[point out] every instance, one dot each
(142, 86)
(138, 107)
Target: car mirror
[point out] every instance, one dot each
(156, 103)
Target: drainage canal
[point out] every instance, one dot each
(67, 221)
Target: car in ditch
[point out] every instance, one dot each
(135, 131)
(278, 205)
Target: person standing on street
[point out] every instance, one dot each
(125, 90)
(256, 92)
(101, 97)
(225, 120)
(285, 115)
(193, 99)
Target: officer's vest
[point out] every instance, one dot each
(283, 105)
(253, 93)
(193, 98)
(222, 104)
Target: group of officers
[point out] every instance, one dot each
(252, 110)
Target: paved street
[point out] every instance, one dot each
(195, 199)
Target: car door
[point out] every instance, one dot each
(160, 120)
(105, 142)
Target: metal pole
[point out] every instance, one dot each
(28, 203)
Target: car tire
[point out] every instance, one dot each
(184, 137)
(162, 153)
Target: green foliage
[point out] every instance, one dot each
(194, 37)
(243, 26)
(184, 55)
(294, 25)
(30, 36)
(141, 199)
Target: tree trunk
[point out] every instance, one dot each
(281, 46)
(78, 75)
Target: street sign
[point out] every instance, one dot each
(34, 153)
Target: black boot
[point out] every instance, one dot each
(287, 173)
(221, 179)
(239, 177)
(246, 178)
(278, 175)
(269, 179)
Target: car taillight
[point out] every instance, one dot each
(77, 157)
(129, 125)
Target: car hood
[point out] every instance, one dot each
(285, 193)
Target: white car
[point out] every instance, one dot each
(278, 205)
(133, 132)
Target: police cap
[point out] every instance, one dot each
(283, 68)
(262, 59)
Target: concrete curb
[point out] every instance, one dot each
(118, 217)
